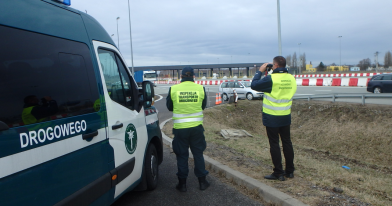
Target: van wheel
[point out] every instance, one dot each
(377, 90)
(249, 96)
(151, 167)
(225, 98)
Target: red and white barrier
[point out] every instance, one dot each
(349, 80)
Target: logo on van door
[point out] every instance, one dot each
(130, 138)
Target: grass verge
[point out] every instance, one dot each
(325, 136)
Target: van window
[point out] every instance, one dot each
(230, 84)
(118, 82)
(223, 85)
(43, 78)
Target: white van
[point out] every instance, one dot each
(74, 127)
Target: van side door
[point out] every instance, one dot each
(127, 129)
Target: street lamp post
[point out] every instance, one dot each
(279, 36)
(130, 35)
(340, 52)
(118, 36)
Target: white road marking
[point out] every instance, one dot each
(323, 90)
(160, 97)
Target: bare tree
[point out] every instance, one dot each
(302, 60)
(288, 60)
(364, 64)
(294, 61)
(387, 59)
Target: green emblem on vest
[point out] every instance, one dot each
(130, 139)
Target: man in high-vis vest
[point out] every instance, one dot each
(279, 89)
(187, 100)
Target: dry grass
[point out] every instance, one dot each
(326, 136)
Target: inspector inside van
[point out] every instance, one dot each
(75, 129)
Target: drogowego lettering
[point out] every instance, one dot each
(50, 133)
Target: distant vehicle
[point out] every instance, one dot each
(242, 88)
(141, 76)
(380, 84)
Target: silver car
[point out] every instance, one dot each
(242, 88)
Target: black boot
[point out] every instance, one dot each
(181, 186)
(203, 183)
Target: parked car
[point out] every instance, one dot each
(380, 83)
(242, 88)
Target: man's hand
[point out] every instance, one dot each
(263, 67)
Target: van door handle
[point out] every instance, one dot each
(89, 135)
(116, 126)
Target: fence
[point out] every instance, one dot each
(335, 96)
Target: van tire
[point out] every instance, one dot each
(151, 167)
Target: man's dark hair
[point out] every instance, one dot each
(187, 75)
(281, 61)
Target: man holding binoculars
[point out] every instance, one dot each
(279, 89)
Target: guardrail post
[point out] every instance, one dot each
(308, 98)
(333, 97)
(363, 99)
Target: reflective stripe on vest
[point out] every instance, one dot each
(176, 121)
(279, 101)
(187, 100)
(187, 115)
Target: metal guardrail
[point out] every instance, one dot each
(335, 96)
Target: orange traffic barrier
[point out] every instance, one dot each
(216, 99)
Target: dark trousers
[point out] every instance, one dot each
(183, 140)
(273, 137)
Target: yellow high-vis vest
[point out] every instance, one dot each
(279, 101)
(28, 118)
(187, 100)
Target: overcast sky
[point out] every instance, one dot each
(173, 32)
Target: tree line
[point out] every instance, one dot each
(365, 63)
(299, 63)
(295, 62)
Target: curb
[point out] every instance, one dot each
(268, 193)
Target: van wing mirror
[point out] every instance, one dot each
(148, 93)
(3, 126)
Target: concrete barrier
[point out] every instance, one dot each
(305, 82)
(362, 82)
(312, 82)
(299, 82)
(327, 82)
(319, 82)
(345, 82)
(336, 82)
(353, 82)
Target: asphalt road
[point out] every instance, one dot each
(218, 193)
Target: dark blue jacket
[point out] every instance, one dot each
(265, 85)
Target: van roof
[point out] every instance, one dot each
(52, 18)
